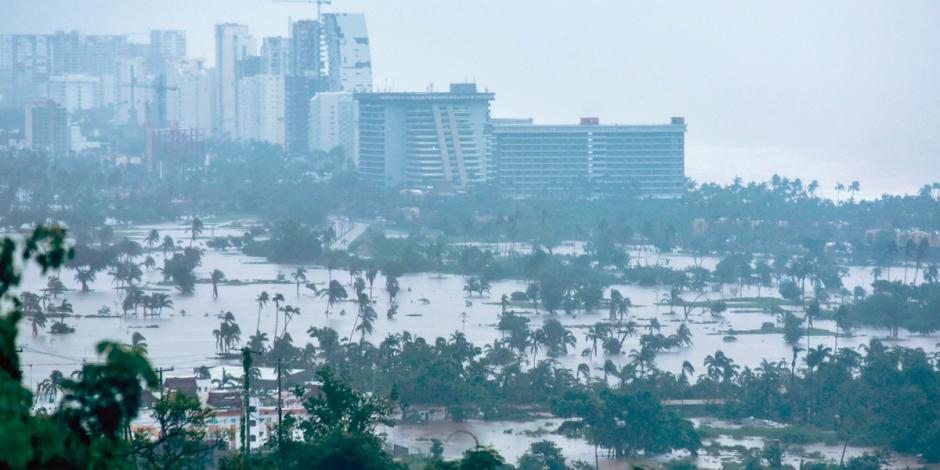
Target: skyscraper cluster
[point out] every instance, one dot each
(311, 91)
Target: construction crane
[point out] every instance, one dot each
(319, 3)
(160, 88)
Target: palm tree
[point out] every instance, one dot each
(216, 277)
(139, 343)
(817, 356)
(812, 187)
(584, 370)
(596, 333)
(38, 321)
(228, 334)
(368, 320)
(50, 387)
(371, 273)
(720, 368)
(159, 301)
(644, 359)
(153, 238)
(195, 229)
(262, 300)
(359, 285)
(289, 313)
(854, 187)
(54, 287)
(354, 271)
(364, 302)
(63, 308)
(300, 277)
(615, 298)
(683, 336)
(687, 369)
(85, 277)
(334, 293)
(256, 342)
(536, 341)
(556, 337)
(277, 299)
(391, 285)
(168, 245)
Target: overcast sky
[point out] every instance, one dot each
(835, 90)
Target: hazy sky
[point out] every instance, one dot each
(834, 90)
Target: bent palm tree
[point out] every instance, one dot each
(216, 277)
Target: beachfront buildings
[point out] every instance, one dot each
(424, 140)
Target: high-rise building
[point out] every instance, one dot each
(76, 91)
(303, 81)
(25, 66)
(275, 55)
(190, 105)
(233, 44)
(73, 52)
(166, 45)
(348, 59)
(47, 128)
(422, 140)
(298, 90)
(646, 160)
(306, 55)
(28, 60)
(261, 109)
(333, 123)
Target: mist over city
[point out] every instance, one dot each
(469, 234)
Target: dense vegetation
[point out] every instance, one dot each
(776, 236)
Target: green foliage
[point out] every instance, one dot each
(87, 429)
(625, 423)
(543, 455)
(182, 440)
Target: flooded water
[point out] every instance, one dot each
(431, 305)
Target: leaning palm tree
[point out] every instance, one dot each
(584, 370)
(334, 293)
(168, 245)
(371, 273)
(153, 238)
(300, 277)
(262, 300)
(38, 321)
(277, 299)
(216, 277)
(195, 229)
(368, 321)
(364, 303)
(51, 386)
(687, 369)
(139, 343)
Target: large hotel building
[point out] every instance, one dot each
(447, 140)
(424, 140)
(647, 160)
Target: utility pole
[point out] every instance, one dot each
(161, 370)
(246, 369)
(280, 431)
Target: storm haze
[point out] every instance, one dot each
(834, 91)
